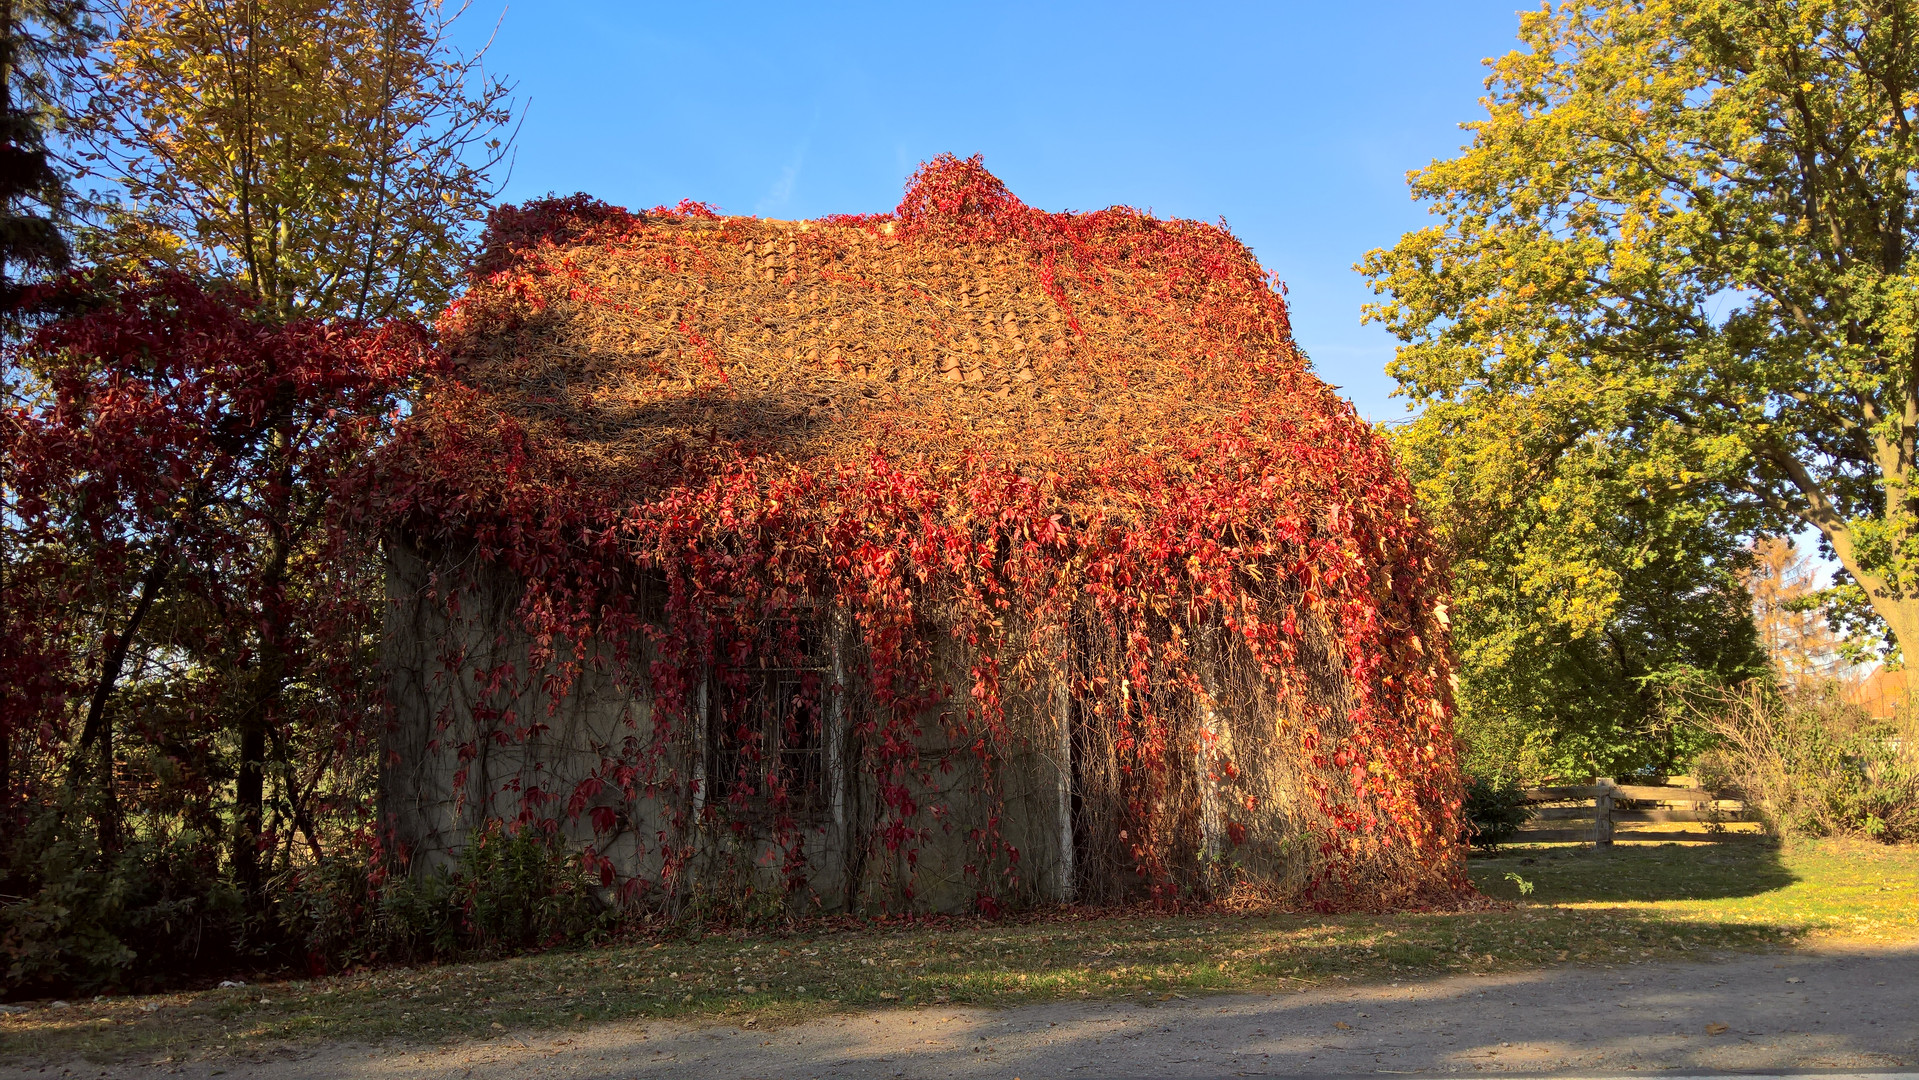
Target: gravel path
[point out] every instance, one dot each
(1830, 1009)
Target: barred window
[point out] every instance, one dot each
(766, 733)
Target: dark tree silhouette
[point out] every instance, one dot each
(35, 37)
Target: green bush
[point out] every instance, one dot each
(1495, 809)
(506, 892)
(164, 911)
(152, 914)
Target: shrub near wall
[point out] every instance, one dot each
(508, 892)
(1495, 809)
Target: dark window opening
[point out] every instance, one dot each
(766, 735)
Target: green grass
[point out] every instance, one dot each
(1624, 905)
(1831, 887)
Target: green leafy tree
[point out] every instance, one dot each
(1680, 241)
(1583, 587)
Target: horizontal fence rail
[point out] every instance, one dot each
(1604, 810)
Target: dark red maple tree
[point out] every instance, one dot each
(186, 622)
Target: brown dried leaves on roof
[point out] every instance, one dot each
(616, 337)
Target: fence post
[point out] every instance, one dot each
(1602, 813)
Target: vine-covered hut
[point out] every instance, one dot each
(956, 558)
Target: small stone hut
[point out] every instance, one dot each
(960, 558)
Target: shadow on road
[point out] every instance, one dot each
(1832, 1010)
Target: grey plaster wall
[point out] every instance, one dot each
(459, 760)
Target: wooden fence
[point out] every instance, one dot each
(1607, 810)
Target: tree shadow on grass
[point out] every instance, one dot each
(1572, 873)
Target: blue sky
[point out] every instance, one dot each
(1296, 122)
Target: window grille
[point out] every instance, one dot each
(767, 727)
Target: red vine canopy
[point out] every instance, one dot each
(966, 422)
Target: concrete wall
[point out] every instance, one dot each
(447, 773)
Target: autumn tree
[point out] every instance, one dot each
(171, 486)
(1785, 587)
(1685, 229)
(332, 156)
(329, 158)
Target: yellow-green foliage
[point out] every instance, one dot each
(332, 156)
(1582, 585)
(1667, 304)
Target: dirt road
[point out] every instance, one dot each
(1835, 1008)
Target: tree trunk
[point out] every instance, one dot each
(109, 812)
(6, 777)
(249, 801)
(270, 677)
(1900, 613)
(99, 725)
